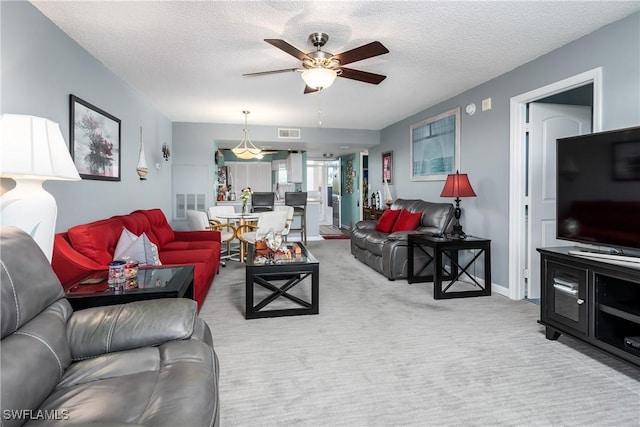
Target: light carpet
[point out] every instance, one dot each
(383, 353)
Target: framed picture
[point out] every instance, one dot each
(387, 166)
(435, 147)
(94, 137)
(626, 161)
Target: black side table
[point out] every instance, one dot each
(445, 249)
(153, 282)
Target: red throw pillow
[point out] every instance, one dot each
(407, 221)
(387, 220)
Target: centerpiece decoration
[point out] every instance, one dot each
(271, 250)
(245, 196)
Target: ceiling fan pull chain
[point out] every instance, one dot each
(319, 110)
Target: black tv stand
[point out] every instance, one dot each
(594, 299)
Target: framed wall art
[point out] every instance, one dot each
(435, 147)
(387, 166)
(94, 137)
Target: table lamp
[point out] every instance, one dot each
(387, 194)
(457, 185)
(33, 151)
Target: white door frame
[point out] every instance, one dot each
(361, 186)
(517, 199)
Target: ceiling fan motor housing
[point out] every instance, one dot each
(318, 39)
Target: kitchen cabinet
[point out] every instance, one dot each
(256, 175)
(294, 167)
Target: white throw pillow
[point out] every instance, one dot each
(151, 251)
(126, 239)
(138, 248)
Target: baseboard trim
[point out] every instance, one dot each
(495, 288)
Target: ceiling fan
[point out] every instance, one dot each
(320, 68)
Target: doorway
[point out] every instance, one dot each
(320, 186)
(522, 247)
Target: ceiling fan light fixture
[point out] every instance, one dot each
(319, 78)
(245, 149)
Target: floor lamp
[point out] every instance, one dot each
(33, 151)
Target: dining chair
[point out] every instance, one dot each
(289, 211)
(273, 220)
(197, 220)
(224, 226)
(298, 199)
(262, 201)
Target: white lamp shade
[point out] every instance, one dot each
(32, 150)
(245, 153)
(33, 147)
(319, 78)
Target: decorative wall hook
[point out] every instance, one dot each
(141, 168)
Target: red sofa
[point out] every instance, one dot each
(89, 247)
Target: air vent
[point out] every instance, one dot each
(289, 133)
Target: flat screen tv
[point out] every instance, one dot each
(598, 189)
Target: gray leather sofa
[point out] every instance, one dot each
(387, 252)
(147, 363)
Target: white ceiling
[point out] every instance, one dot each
(188, 58)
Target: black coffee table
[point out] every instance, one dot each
(152, 283)
(284, 280)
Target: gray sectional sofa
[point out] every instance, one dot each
(387, 252)
(147, 363)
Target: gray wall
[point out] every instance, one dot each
(485, 135)
(41, 66)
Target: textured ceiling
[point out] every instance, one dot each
(188, 58)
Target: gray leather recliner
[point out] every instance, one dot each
(147, 363)
(387, 253)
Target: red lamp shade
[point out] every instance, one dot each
(457, 185)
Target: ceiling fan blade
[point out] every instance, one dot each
(368, 50)
(363, 76)
(262, 73)
(308, 89)
(283, 45)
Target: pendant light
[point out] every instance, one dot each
(245, 149)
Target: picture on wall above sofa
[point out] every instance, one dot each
(435, 147)
(94, 141)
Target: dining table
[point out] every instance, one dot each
(237, 220)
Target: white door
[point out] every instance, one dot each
(548, 122)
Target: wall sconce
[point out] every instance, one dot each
(165, 152)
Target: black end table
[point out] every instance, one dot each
(280, 276)
(447, 249)
(152, 283)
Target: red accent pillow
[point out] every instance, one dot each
(407, 221)
(387, 220)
